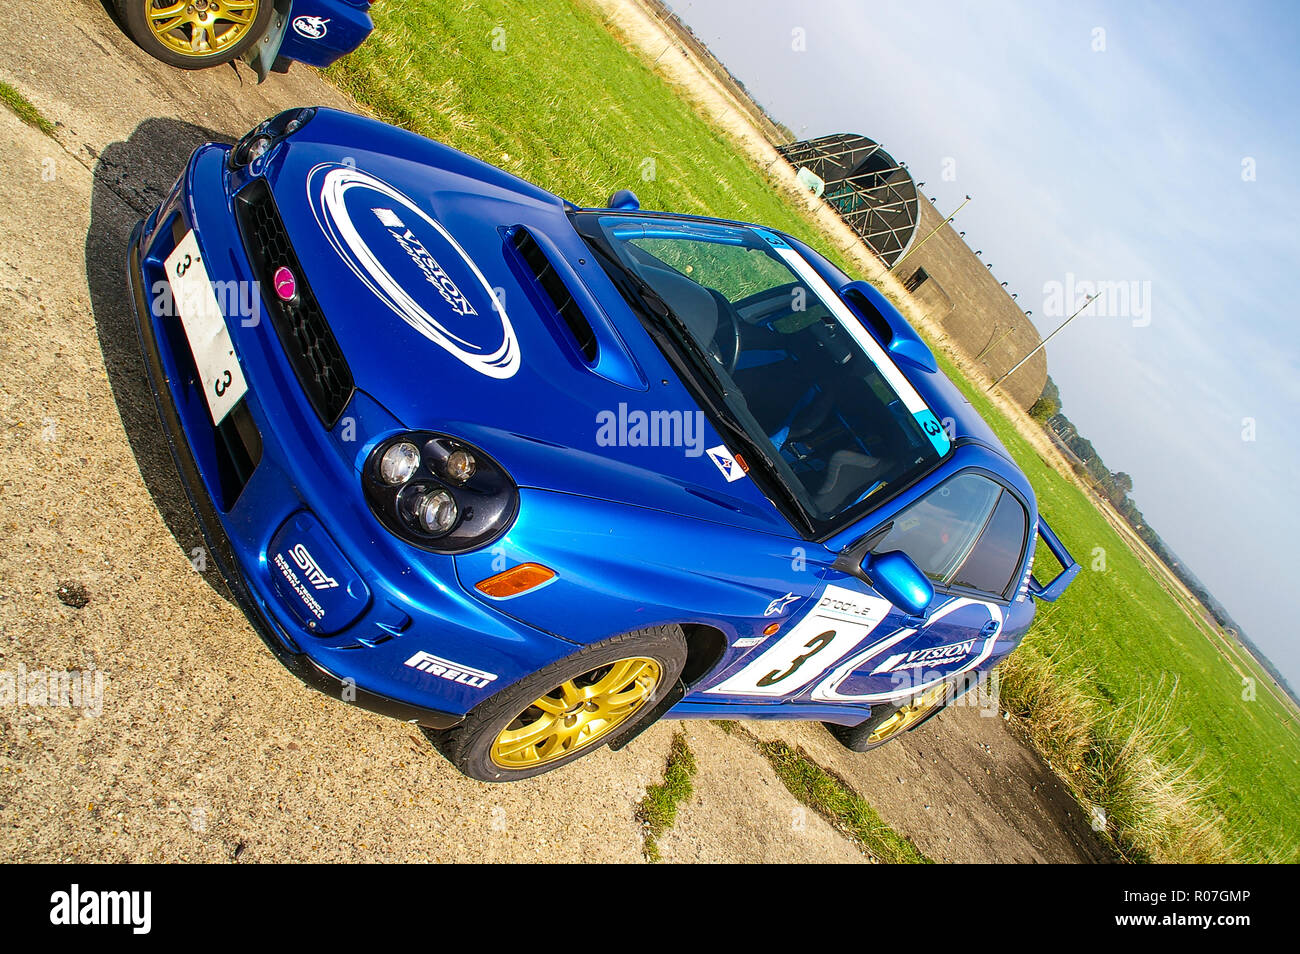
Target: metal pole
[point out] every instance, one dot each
(1043, 344)
(1005, 335)
(931, 235)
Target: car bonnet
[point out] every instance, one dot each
(408, 248)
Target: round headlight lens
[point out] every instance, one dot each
(460, 465)
(399, 463)
(258, 148)
(436, 511)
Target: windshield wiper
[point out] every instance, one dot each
(658, 310)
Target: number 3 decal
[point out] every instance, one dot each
(814, 646)
(839, 622)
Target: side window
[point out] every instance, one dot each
(996, 555)
(966, 532)
(939, 530)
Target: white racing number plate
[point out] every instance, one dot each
(838, 624)
(205, 329)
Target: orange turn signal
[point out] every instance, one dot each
(772, 628)
(516, 580)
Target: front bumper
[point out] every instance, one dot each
(275, 638)
(412, 604)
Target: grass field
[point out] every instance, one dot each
(546, 91)
(1130, 643)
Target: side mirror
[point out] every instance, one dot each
(899, 580)
(625, 200)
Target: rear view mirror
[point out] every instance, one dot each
(895, 577)
(624, 200)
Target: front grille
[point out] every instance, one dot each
(304, 333)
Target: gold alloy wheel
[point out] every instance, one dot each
(576, 713)
(200, 27)
(908, 715)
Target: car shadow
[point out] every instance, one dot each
(130, 179)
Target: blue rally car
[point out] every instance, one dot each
(532, 475)
(269, 34)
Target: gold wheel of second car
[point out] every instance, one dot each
(200, 28)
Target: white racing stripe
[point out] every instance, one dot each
(914, 403)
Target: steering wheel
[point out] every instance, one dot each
(827, 334)
(729, 352)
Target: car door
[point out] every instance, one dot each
(968, 535)
(853, 647)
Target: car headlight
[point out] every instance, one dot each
(439, 493)
(460, 466)
(259, 141)
(399, 463)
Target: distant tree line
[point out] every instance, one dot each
(1116, 486)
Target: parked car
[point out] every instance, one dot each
(533, 475)
(269, 34)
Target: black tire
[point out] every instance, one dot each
(134, 14)
(469, 745)
(857, 738)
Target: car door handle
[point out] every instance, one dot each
(990, 628)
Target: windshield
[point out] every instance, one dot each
(820, 400)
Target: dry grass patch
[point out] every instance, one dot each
(1127, 766)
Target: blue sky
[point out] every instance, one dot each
(1128, 163)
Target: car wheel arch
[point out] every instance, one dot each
(705, 647)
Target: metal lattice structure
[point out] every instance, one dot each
(874, 195)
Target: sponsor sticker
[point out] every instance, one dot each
(918, 658)
(726, 462)
(779, 604)
(315, 575)
(451, 671)
(311, 27)
(414, 266)
(297, 585)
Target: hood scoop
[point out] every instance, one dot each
(577, 321)
(562, 304)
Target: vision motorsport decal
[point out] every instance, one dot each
(451, 671)
(414, 266)
(921, 658)
(976, 650)
(829, 635)
(726, 462)
(914, 403)
(311, 27)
